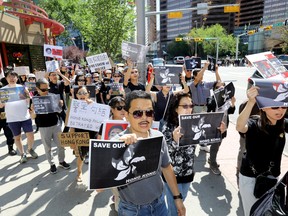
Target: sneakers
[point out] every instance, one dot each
(11, 151)
(23, 159)
(53, 169)
(209, 162)
(33, 154)
(215, 169)
(86, 160)
(205, 148)
(64, 165)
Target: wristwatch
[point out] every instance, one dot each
(178, 196)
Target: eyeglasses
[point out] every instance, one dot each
(44, 90)
(275, 108)
(119, 108)
(187, 106)
(82, 93)
(81, 80)
(139, 113)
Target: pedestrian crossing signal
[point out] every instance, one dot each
(198, 39)
(178, 39)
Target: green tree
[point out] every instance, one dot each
(227, 43)
(103, 24)
(178, 48)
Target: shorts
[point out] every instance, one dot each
(16, 127)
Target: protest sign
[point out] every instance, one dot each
(100, 61)
(52, 66)
(12, 94)
(222, 95)
(47, 104)
(53, 51)
(117, 88)
(135, 52)
(112, 163)
(40, 74)
(193, 63)
(113, 127)
(212, 65)
(66, 63)
(167, 75)
(271, 92)
(155, 125)
(74, 138)
(200, 128)
(31, 86)
(87, 116)
(22, 70)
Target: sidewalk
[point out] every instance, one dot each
(29, 189)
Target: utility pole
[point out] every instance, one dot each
(237, 44)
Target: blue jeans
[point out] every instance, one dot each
(155, 208)
(183, 189)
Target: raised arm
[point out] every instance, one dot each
(201, 73)
(128, 72)
(149, 86)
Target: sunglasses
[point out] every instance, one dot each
(44, 90)
(139, 113)
(82, 93)
(81, 80)
(119, 108)
(275, 108)
(187, 106)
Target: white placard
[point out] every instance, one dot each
(53, 51)
(87, 116)
(100, 61)
(136, 52)
(40, 74)
(22, 70)
(52, 66)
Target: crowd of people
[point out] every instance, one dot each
(140, 104)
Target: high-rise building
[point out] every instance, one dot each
(215, 15)
(171, 28)
(275, 11)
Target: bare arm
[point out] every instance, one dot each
(218, 78)
(201, 73)
(128, 72)
(149, 86)
(171, 181)
(241, 124)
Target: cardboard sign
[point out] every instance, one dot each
(167, 75)
(74, 138)
(113, 127)
(52, 66)
(100, 61)
(193, 63)
(271, 93)
(47, 104)
(212, 65)
(12, 94)
(112, 163)
(87, 116)
(23, 70)
(136, 52)
(53, 51)
(31, 86)
(200, 128)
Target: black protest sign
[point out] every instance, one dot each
(117, 88)
(47, 104)
(212, 65)
(222, 95)
(66, 62)
(31, 86)
(135, 52)
(193, 63)
(112, 163)
(200, 128)
(12, 94)
(271, 92)
(167, 75)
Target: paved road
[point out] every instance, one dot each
(29, 189)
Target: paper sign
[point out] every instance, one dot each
(113, 127)
(222, 95)
(200, 128)
(52, 66)
(167, 75)
(31, 86)
(12, 94)
(23, 70)
(87, 116)
(40, 74)
(47, 104)
(112, 163)
(212, 65)
(136, 52)
(117, 88)
(100, 61)
(193, 63)
(53, 51)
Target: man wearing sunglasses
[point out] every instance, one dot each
(146, 195)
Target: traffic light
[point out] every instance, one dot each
(178, 39)
(198, 39)
(251, 32)
(267, 28)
